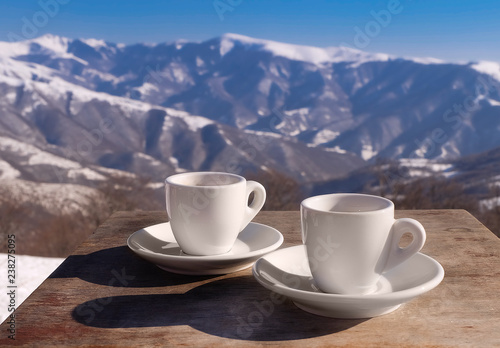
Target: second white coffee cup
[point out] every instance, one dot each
(207, 210)
(352, 239)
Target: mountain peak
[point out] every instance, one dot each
(310, 54)
(241, 38)
(49, 36)
(58, 44)
(94, 43)
(47, 42)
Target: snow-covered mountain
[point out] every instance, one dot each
(315, 113)
(62, 98)
(346, 100)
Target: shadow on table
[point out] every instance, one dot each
(121, 268)
(238, 308)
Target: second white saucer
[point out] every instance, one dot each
(157, 244)
(287, 272)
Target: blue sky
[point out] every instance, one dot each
(451, 30)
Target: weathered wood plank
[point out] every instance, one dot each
(105, 295)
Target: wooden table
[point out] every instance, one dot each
(104, 294)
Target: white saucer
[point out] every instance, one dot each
(286, 271)
(157, 244)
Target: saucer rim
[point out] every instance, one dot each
(400, 295)
(218, 257)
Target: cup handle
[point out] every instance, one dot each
(398, 254)
(257, 203)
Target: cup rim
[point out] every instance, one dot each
(307, 202)
(172, 178)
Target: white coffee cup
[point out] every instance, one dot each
(207, 210)
(352, 239)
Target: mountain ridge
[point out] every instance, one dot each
(67, 113)
(339, 100)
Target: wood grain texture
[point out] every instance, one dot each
(104, 295)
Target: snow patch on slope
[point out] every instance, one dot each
(7, 171)
(493, 102)
(95, 43)
(489, 68)
(367, 152)
(324, 136)
(35, 156)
